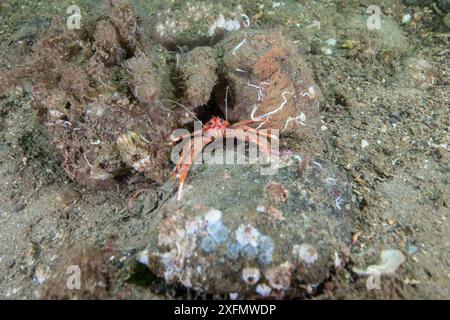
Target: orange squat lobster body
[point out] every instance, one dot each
(215, 128)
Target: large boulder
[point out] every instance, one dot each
(241, 231)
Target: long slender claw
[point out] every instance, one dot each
(180, 190)
(183, 165)
(182, 176)
(260, 133)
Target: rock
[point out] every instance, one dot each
(269, 80)
(106, 137)
(107, 43)
(221, 238)
(196, 23)
(144, 79)
(419, 71)
(100, 131)
(123, 17)
(198, 70)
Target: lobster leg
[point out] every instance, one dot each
(257, 132)
(187, 149)
(255, 140)
(183, 166)
(189, 135)
(246, 122)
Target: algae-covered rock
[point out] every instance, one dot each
(199, 72)
(89, 138)
(107, 43)
(238, 231)
(144, 79)
(122, 15)
(100, 99)
(419, 71)
(270, 81)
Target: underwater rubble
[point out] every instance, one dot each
(109, 97)
(81, 85)
(195, 24)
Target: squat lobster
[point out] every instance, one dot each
(215, 128)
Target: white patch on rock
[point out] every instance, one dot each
(193, 225)
(233, 296)
(221, 23)
(260, 209)
(251, 275)
(213, 216)
(247, 235)
(337, 261)
(263, 290)
(364, 143)
(406, 18)
(143, 257)
(305, 253)
(391, 259)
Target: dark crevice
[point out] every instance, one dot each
(216, 104)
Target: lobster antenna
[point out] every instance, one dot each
(184, 107)
(226, 103)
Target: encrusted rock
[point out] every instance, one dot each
(82, 89)
(125, 20)
(194, 23)
(144, 79)
(106, 138)
(269, 81)
(107, 43)
(218, 240)
(199, 72)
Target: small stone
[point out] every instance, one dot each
(326, 50)
(406, 18)
(279, 277)
(364, 143)
(331, 42)
(412, 250)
